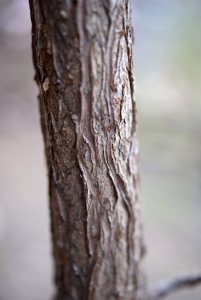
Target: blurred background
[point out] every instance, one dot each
(167, 55)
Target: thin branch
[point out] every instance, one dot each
(165, 287)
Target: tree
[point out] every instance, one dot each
(82, 53)
(83, 59)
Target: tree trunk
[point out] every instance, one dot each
(82, 54)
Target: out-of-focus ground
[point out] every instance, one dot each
(168, 93)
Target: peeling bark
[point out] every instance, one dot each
(82, 52)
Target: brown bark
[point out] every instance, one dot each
(83, 59)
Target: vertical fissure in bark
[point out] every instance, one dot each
(83, 59)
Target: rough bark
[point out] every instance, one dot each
(82, 54)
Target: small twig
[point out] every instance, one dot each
(165, 287)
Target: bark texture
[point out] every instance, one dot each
(82, 54)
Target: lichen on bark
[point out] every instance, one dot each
(82, 52)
